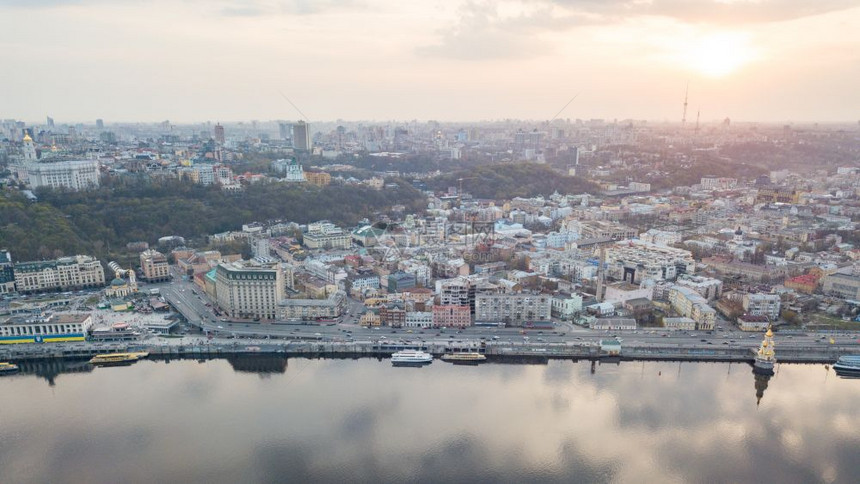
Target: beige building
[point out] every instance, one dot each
(312, 309)
(153, 266)
(689, 303)
(65, 273)
(249, 290)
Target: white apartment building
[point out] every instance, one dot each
(248, 290)
(762, 305)
(419, 319)
(75, 174)
(513, 309)
(64, 273)
(708, 287)
(325, 235)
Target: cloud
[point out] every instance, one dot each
(482, 32)
(228, 8)
(709, 11)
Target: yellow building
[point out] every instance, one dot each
(319, 179)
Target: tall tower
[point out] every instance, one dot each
(29, 148)
(684, 117)
(219, 134)
(302, 136)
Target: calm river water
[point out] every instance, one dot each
(266, 420)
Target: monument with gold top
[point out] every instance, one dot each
(765, 357)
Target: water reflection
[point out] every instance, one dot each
(365, 421)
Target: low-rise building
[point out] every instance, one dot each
(749, 322)
(614, 324)
(57, 328)
(312, 309)
(679, 324)
(419, 319)
(566, 306)
(451, 316)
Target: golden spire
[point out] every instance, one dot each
(27, 137)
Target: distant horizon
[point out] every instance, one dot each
(636, 121)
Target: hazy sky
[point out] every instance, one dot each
(198, 60)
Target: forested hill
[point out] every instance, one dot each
(509, 180)
(102, 221)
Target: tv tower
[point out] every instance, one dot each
(698, 113)
(684, 117)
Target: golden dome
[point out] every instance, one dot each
(769, 333)
(27, 137)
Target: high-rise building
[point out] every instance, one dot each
(100, 124)
(284, 130)
(249, 290)
(302, 136)
(219, 134)
(50, 122)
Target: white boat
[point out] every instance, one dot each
(848, 366)
(411, 358)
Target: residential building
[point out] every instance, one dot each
(762, 305)
(419, 319)
(400, 281)
(65, 273)
(370, 318)
(513, 309)
(708, 287)
(689, 303)
(326, 236)
(153, 266)
(637, 261)
(451, 316)
(302, 136)
(392, 315)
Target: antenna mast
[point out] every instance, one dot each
(684, 117)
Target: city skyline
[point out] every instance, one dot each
(469, 61)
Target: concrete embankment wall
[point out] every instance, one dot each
(497, 352)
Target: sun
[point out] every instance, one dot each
(719, 54)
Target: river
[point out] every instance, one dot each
(271, 420)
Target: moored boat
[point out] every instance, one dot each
(8, 368)
(464, 358)
(411, 358)
(847, 366)
(117, 359)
